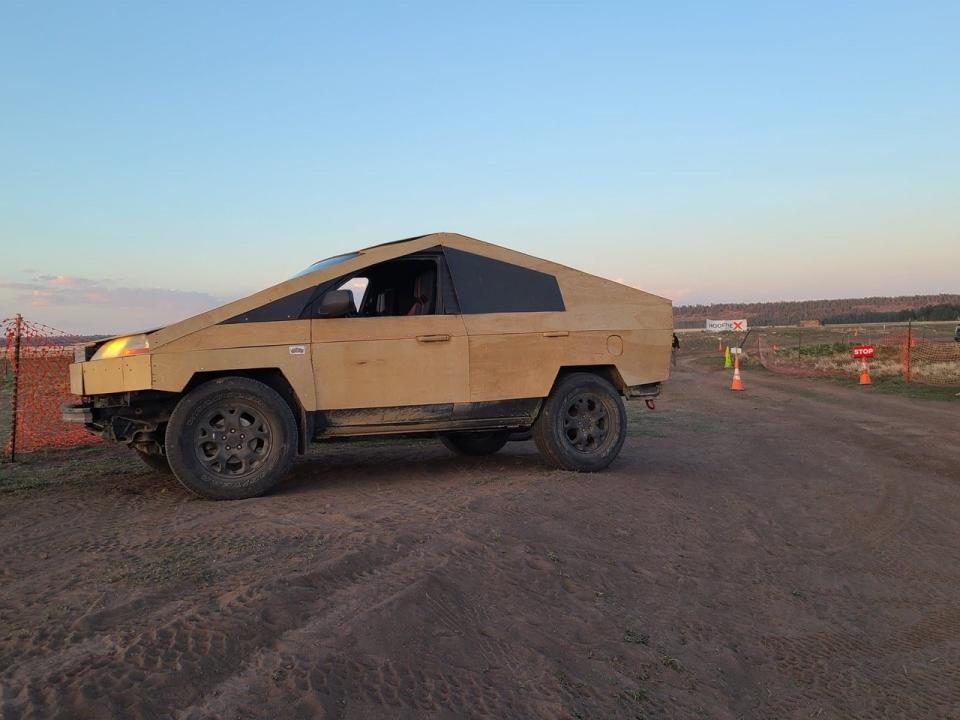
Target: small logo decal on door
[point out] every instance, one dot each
(298, 350)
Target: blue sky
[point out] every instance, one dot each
(157, 159)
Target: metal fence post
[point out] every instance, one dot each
(17, 333)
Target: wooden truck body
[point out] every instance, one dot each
(444, 334)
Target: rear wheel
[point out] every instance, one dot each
(231, 438)
(475, 443)
(582, 425)
(154, 460)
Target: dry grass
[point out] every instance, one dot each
(43, 470)
(826, 351)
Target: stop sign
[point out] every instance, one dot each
(863, 352)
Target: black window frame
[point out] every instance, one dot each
(446, 301)
(486, 285)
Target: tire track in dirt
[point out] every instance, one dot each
(332, 679)
(891, 670)
(762, 554)
(179, 639)
(849, 676)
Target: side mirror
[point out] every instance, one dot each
(336, 303)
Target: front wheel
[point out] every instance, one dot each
(475, 443)
(231, 438)
(582, 425)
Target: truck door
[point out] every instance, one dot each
(400, 355)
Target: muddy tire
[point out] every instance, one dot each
(475, 443)
(154, 460)
(231, 438)
(582, 424)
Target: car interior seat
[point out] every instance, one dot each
(424, 289)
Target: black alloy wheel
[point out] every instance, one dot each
(231, 438)
(583, 423)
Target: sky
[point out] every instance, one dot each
(158, 159)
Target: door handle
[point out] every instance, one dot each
(556, 333)
(433, 338)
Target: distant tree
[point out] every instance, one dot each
(943, 306)
(927, 313)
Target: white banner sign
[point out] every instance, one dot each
(726, 325)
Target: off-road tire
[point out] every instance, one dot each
(231, 410)
(155, 461)
(476, 443)
(582, 424)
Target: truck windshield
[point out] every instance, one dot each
(320, 264)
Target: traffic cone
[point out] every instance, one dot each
(737, 384)
(864, 373)
(726, 359)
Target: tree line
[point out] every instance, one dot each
(927, 313)
(943, 306)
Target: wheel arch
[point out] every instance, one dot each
(274, 379)
(607, 372)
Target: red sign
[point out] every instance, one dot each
(863, 352)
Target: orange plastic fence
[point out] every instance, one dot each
(935, 363)
(785, 359)
(35, 380)
(899, 353)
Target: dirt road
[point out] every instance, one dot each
(787, 552)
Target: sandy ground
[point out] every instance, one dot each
(787, 552)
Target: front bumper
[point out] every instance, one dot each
(123, 417)
(113, 375)
(79, 413)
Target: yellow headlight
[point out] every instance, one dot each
(122, 347)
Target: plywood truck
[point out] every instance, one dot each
(440, 334)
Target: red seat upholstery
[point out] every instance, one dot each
(423, 291)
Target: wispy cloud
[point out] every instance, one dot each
(67, 290)
(65, 300)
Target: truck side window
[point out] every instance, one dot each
(406, 286)
(416, 284)
(358, 286)
(486, 285)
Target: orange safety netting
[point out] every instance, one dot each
(897, 354)
(934, 363)
(34, 384)
(791, 360)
